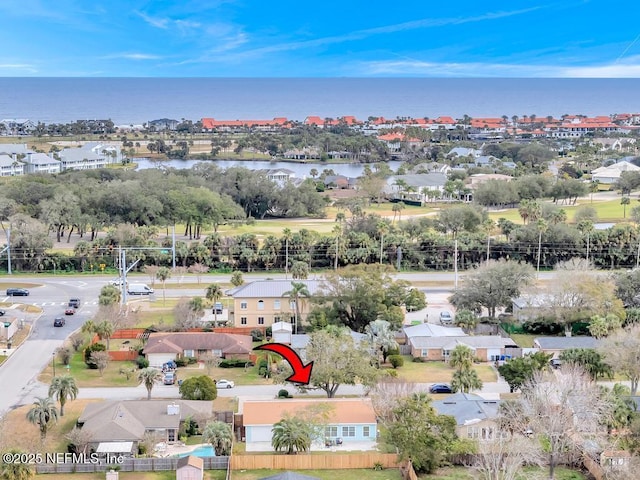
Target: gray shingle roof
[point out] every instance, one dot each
(176, 342)
(272, 288)
(467, 407)
(432, 330)
(435, 179)
(128, 420)
(449, 343)
(565, 343)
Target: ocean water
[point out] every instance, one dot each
(138, 100)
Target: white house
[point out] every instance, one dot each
(89, 156)
(611, 174)
(10, 166)
(41, 163)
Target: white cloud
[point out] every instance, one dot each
(18, 66)
(154, 21)
(133, 56)
(631, 68)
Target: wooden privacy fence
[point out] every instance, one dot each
(313, 462)
(123, 355)
(128, 333)
(129, 465)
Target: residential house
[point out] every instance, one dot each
(118, 426)
(479, 178)
(486, 348)
(557, 345)
(339, 181)
(210, 124)
(305, 153)
(10, 166)
(89, 156)
(18, 126)
(162, 124)
(278, 175)
(529, 306)
(162, 347)
(300, 341)
(476, 418)
(431, 167)
(281, 332)
(350, 422)
(416, 188)
(41, 163)
(263, 302)
(431, 330)
(190, 468)
(464, 152)
(611, 174)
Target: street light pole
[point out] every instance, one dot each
(53, 363)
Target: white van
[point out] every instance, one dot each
(139, 289)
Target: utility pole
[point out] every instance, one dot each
(9, 251)
(173, 248)
(455, 264)
(286, 257)
(335, 261)
(399, 259)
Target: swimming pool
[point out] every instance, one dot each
(201, 451)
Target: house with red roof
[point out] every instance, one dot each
(210, 124)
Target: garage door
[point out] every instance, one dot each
(260, 434)
(157, 359)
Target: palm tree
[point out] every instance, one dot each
(43, 413)
(292, 435)
(214, 294)
(286, 234)
(624, 201)
(381, 337)
(297, 294)
(337, 231)
(542, 227)
(219, 435)
(104, 329)
(382, 227)
(16, 470)
(149, 376)
(465, 380)
(63, 388)
(163, 274)
(488, 225)
(461, 358)
(466, 320)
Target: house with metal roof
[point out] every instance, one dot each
(475, 416)
(41, 163)
(264, 302)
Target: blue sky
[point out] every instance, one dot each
(346, 38)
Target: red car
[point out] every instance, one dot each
(70, 311)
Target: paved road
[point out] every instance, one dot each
(18, 373)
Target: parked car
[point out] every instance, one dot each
(225, 384)
(139, 289)
(555, 363)
(446, 318)
(74, 302)
(2, 312)
(169, 366)
(58, 322)
(69, 311)
(440, 388)
(17, 292)
(170, 378)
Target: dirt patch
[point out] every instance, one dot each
(18, 433)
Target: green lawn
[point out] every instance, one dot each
(434, 372)
(523, 340)
(355, 474)
(86, 377)
(608, 211)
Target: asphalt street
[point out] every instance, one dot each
(18, 374)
